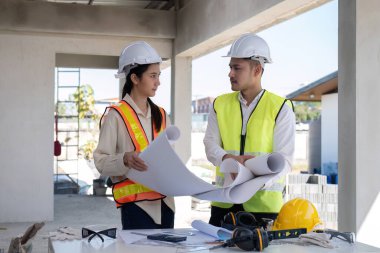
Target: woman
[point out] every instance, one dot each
(127, 129)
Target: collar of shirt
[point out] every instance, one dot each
(243, 102)
(130, 101)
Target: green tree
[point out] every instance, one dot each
(87, 149)
(85, 102)
(61, 108)
(307, 111)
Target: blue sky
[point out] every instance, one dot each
(303, 49)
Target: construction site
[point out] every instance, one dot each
(51, 113)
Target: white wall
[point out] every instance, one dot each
(27, 100)
(368, 120)
(329, 128)
(359, 120)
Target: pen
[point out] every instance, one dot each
(137, 233)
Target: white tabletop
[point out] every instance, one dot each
(119, 245)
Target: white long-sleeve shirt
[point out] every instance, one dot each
(114, 141)
(283, 139)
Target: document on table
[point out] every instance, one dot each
(168, 175)
(195, 240)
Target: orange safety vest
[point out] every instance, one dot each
(127, 191)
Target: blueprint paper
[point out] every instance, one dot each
(217, 232)
(266, 164)
(168, 175)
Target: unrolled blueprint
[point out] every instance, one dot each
(168, 175)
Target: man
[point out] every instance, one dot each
(250, 122)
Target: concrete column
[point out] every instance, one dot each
(359, 121)
(329, 130)
(181, 104)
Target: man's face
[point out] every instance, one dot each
(243, 74)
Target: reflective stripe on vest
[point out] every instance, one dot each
(258, 141)
(127, 191)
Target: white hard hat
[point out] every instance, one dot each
(137, 53)
(250, 46)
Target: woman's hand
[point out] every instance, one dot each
(132, 160)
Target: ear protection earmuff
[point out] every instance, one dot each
(249, 240)
(241, 219)
(250, 233)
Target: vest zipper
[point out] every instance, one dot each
(242, 143)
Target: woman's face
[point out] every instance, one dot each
(150, 80)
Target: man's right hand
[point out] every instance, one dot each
(240, 158)
(132, 160)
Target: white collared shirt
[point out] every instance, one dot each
(283, 138)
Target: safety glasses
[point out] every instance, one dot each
(111, 232)
(345, 236)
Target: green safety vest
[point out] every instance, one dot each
(258, 140)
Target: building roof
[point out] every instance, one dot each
(314, 91)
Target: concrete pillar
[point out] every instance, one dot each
(181, 104)
(359, 121)
(315, 145)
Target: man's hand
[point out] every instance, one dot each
(132, 160)
(240, 158)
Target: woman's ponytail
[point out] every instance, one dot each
(156, 115)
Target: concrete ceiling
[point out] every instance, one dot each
(169, 5)
(180, 27)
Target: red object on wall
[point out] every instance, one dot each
(57, 144)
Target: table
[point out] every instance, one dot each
(118, 246)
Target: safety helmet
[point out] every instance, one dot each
(297, 213)
(136, 53)
(250, 46)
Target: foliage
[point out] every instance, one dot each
(85, 101)
(87, 149)
(307, 111)
(84, 107)
(61, 109)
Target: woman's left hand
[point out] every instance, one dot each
(132, 160)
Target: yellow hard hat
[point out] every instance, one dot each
(297, 213)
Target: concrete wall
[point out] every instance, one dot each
(368, 120)
(359, 121)
(329, 128)
(27, 101)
